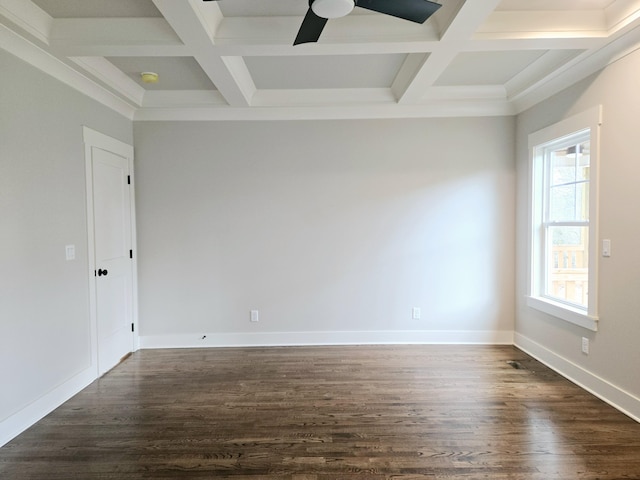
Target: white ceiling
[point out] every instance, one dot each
(234, 59)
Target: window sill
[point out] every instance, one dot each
(564, 312)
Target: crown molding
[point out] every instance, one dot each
(44, 61)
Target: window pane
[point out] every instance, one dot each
(563, 167)
(567, 269)
(569, 202)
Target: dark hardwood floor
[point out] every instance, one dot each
(320, 413)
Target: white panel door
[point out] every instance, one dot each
(113, 266)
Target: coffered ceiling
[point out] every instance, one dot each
(235, 59)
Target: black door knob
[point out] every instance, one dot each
(102, 272)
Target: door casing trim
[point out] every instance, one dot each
(94, 139)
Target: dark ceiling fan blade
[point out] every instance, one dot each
(413, 10)
(311, 28)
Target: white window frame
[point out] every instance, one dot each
(585, 122)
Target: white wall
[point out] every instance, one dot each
(333, 230)
(44, 311)
(612, 367)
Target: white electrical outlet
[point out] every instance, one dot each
(606, 247)
(585, 345)
(415, 313)
(70, 252)
(255, 317)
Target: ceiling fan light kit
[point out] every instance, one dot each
(320, 11)
(332, 8)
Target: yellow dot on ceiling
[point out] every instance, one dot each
(149, 77)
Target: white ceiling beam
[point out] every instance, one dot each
(325, 48)
(411, 82)
(71, 48)
(408, 71)
(210, 15)
(471, 14)
(352, 29)
(196, 31)
(445, 15)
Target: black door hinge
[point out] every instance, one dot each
(132, 329)
(128, 179)
(130, 253)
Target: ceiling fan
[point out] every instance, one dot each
(320, 11)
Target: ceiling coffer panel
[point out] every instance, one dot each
(486, 68)
(320, 71)
(174, 73)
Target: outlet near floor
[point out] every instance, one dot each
(585, 345)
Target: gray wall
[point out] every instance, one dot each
(325, 226)
(44, 312)
(615, 355)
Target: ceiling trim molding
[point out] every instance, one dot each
(576, 70)
(103, 70)
(427, 109)
(183, 98)
(44, 61)
(28, 17)
(577, 45)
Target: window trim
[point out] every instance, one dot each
(589, 120)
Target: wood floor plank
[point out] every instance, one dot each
(329, 413)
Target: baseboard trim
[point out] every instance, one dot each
(269, 339)
(618, 398)
(17, 423)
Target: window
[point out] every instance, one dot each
(563, 253)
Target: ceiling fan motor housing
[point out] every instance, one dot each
(332, 8)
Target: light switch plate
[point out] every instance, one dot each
(606, 247)
(70, 252)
